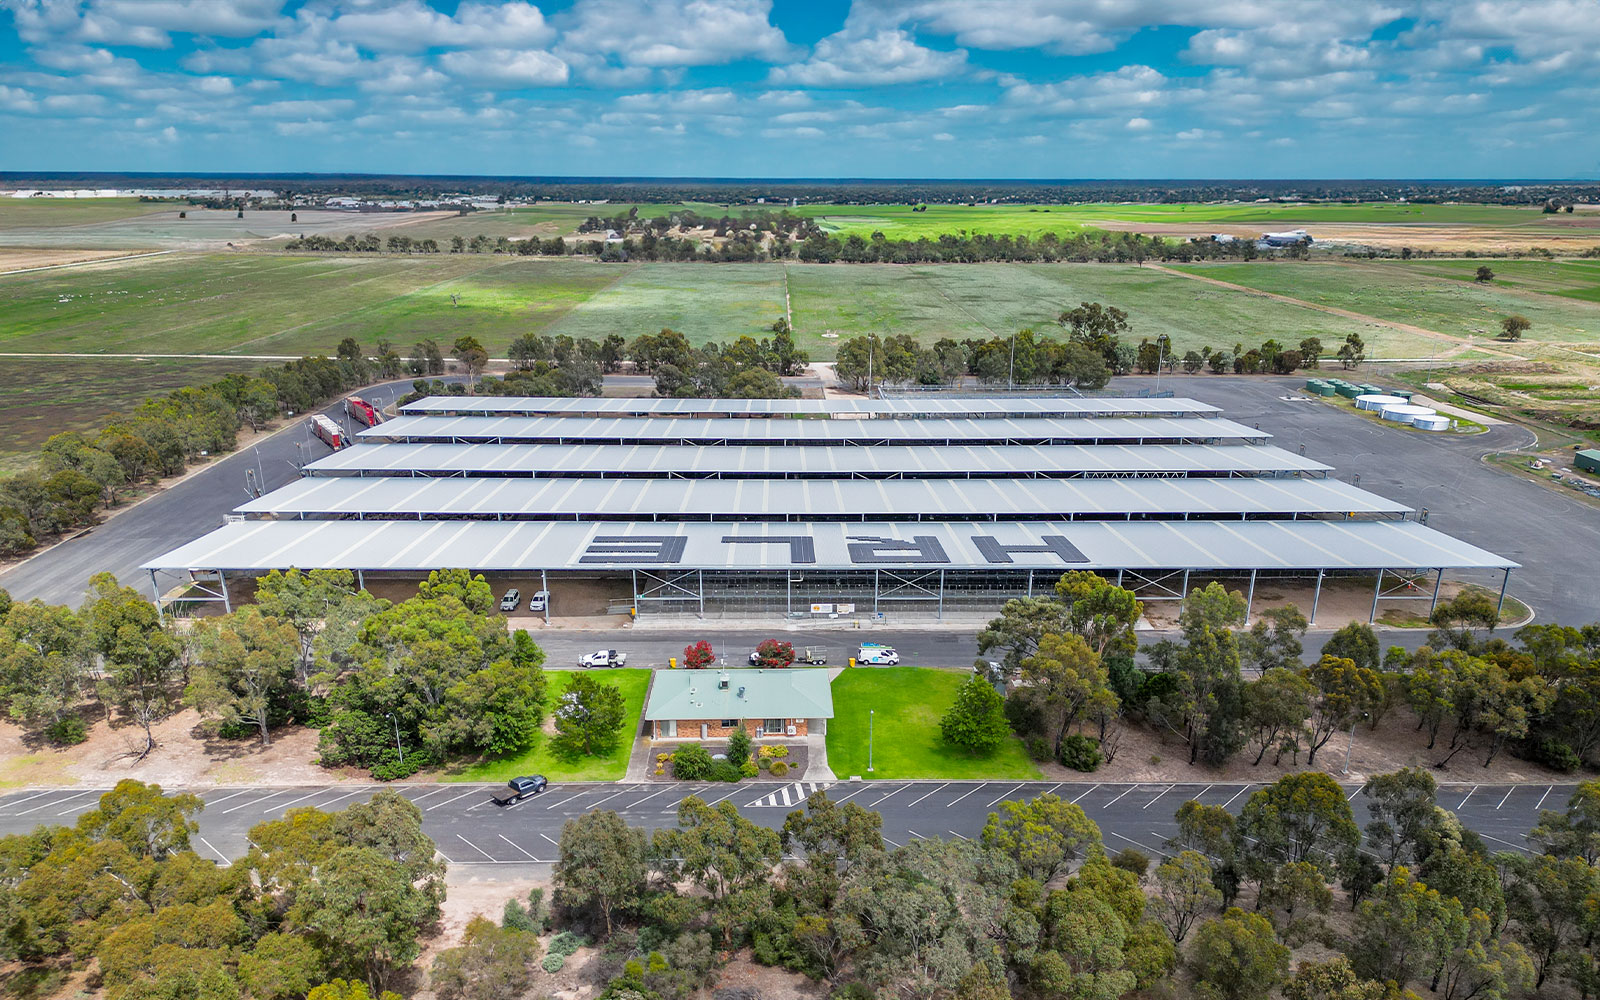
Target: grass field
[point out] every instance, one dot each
(261, 304)
(1573, 279)
(28, 212)
(908, 703)
(1398, 291)
(51, 395)
(539, 759)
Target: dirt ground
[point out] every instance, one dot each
(1149, 756)
(18, 259)
(184, 756)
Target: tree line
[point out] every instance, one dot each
(393, 688)
(79, 474)
(1076, 684)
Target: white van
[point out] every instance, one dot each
(881, 656)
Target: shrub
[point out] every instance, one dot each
(740, 746)
(762, 763)
(564, 943)
(723, 770)
(516, 917)
(1131, 859)
(67, 731)
(1080, 753)
(691, 763)
(552, 962)
(1556, 755)
(779, 769)
(748, 769)
(774, 750)
(1038, 747)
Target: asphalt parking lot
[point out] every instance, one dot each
(469, 829)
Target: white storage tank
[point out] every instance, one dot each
(1405, 413)
(1377, 401)
(1433, 423)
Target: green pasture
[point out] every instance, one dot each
(1401, 292)
(19, 213)
(907, 703)
(540, 760)
(1573, 279)
(289, 305)
(46, 396)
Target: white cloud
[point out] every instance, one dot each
(411, 26)
(506, 67)
(16, 99)
(1138, 124)
(655, 35)
(1198, 135)
(885, 56)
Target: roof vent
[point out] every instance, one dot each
(722, 680)
(741, 690)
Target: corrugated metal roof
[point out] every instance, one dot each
(601, 546)
(835, 461)
(825, 498)
(794, 693)
(741, 430)
(931, 406)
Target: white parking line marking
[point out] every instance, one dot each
(242, 791)
(1153, 801)
(252, 802)
(547, 837)
(1240, 792)
(1508, 843)
(1546, 795)
(925, 795)
(969, 791)
(1469, 795)
(285, 805)
(647, 798)
(897, 791)
(993, 801)
(1114, 801)
(424, 795)
(226, 861)
(443, 855)
(1082, 794)
(955, 834)
(1508, 795)
(56, 802)
(470, 791)
(783, 793)
(851, 794)
(1352, 796)
(886, 840)
(711, 803)
(1144, 847)
(1196, 797)
(18, 802)
(475, 847)
(916, 835)
(514, 844)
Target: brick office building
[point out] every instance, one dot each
(711, 704)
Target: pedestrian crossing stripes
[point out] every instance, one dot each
(789, 795)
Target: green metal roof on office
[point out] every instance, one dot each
(798, 693)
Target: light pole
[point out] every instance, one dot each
(870, 713)
(1352, 742)
(1161, 357)
(397, 746)
(1011, 370)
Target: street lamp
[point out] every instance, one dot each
(870, 713)
(1352, 742)
(397, 746)
(1161, 357)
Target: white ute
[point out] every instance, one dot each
(603, 658)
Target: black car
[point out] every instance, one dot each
(519, 788)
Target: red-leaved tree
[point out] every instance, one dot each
(699, 655)
(774, 653)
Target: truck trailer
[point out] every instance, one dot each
(328, 431)
(363, 411)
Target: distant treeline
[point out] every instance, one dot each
(752, 242)
(747, 191)
(77, 475)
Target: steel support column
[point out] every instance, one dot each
(1437, 582)
(875, 591)
(1250, 599)
(941, 595)
(544, 584)
(361, 580)
(700, 589)
(1375, 592)
(155, 591)
(1505, 582)
(1030, 583)
(227, 606)
(635, 575)
(1315, 597)
(1185, 592)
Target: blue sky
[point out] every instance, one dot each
(925, 88)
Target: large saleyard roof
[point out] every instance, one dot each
(930, 406)
(828, 499)
(1204, 546)
(741, 430)
(840, 461)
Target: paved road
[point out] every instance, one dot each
(177, 515)
(521, 839)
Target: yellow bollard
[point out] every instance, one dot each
(672, 663)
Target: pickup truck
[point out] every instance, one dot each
(603, 658)
(516, 788)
